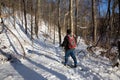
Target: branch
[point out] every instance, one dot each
(17, 39)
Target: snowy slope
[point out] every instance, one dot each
(43, 59)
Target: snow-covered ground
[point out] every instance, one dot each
(43, 59)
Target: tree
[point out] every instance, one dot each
(59, 28)
(24, 8)
(31, 21)
(94, 22)
(71, 14)
(13, 6)
(119, 22)
(36, 18)
(76, 17)
(0, 9)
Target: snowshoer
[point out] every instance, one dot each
(69, 45)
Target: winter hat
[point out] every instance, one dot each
(68, 31)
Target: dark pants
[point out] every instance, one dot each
(72, 54)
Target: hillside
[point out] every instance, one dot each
(43, 58)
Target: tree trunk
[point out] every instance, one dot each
(119, 49)
(21, 4)
(59, 28)
(76, 18)
(71, 15)
(94, 22)
(39, 1)
(24, 3)
(13, 14)
(119, 20)
(36, 18)
(108, 26)
(54, 35)
(31, 22)
(49, 17)
(0, 9)
(64, 21)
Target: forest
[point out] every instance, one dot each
(97, 21)
(31, 32)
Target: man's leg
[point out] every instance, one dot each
(67, 54)
(74, 58)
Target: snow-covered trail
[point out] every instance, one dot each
(44, 64)
(38, 66)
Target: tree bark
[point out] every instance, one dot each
(94, 22)
(59, 28)
(119, 20)
(66, 14)
(31, 22)
(54, 35)
(119, 49)
(13, 14)
(71, 15)
(24, 4)
(0, 9)
(76, 18)
(36, 18)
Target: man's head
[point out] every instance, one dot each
(68, 31)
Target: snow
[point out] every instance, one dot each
(43, 58)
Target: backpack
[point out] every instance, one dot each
(71, 42)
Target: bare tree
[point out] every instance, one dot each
(13, 6)
(59, 28)
(76, 18)
(94, 22)
(21, 9)
(71, 14)
(0, 8)
(36, 18)
(119, 22)
(54, 34)
(31, 21)
(24, 4)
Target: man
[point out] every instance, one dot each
(69, 48)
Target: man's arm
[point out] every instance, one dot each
(64, 42)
